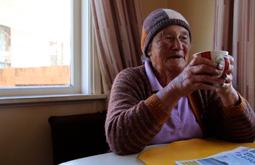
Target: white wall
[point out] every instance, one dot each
(25, 137)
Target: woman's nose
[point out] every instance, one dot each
(177, 44)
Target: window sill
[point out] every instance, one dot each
(48, 98)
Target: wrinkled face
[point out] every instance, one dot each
(169, 50)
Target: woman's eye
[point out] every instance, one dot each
(184, 38)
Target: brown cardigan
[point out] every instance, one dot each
(135, 115)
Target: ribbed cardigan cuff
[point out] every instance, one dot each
(236, 110)
(154, 104)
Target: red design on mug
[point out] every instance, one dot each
(206, 55)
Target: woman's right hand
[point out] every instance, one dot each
(200, 73)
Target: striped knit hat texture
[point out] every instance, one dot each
(158, 20)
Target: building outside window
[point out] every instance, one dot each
(5, 45)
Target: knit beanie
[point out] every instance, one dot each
(158, 20)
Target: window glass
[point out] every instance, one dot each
(35, 43)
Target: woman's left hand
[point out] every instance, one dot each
(226, 91)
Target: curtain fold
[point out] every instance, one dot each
(235, 32)
(223, 28)
(117, 26)
(244, 47)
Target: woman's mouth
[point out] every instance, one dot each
(176, 56)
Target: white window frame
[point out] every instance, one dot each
(79, 64)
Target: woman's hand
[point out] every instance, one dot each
(200, 73)
(227, 76)
(226, 90)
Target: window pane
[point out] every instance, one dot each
(35, 43)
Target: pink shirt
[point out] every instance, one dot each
(181, 123)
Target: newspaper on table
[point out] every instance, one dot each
(238, 156)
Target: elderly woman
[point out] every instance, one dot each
(169, 98)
